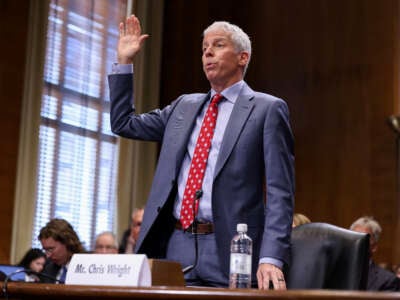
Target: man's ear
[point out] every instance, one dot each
(243, 58)
(374, 247)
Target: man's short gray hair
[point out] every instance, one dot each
(239, 38)
(111, 234)
(370, 223)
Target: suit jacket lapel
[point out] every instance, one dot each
(186, 114)
(237, 120)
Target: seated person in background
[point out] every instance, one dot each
(396, 270)
(59, 241)
(386, 266)
(34, 259)
(299, 219)
(106, 243)
(379, 279)
(131, 235)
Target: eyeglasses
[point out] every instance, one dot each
(136, 224)
(49, 250)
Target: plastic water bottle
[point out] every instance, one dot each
(240, 264)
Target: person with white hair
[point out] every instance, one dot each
(227, 157)
(379, 279)
(106, 243)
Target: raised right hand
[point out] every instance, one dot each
(130, 40)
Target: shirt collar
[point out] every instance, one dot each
(230, 93)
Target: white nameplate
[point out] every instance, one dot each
(109, 269)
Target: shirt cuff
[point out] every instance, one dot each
(122, 69)
(272, 261)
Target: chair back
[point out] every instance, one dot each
(326, 256)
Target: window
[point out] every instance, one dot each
(78, 154)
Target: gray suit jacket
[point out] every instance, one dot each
(257, 151)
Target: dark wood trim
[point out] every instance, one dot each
(59, 292)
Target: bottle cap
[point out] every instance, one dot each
(241, 227)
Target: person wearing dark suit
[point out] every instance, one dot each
(249, 174)
(52, 273)
(379, 279)
(130, 236)
(59, 241)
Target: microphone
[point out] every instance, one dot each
(28, 272)
(394, 122)
(198, 194)
(45, 275)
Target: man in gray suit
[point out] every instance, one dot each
(249, 172)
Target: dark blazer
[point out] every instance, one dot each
(380, 279)
(124, 241)
(50, 272)
(257, 152)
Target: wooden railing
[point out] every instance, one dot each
(16, 290)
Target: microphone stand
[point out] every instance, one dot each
(189, 268)
(394, 123)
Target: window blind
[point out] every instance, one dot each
(78, 154)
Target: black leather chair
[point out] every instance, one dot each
(325, 256)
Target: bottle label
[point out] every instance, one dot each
(240, 263)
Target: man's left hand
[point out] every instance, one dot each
(267, 273)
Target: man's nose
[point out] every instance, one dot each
(207, 51)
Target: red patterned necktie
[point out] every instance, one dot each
(198, 165)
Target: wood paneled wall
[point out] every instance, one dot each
(336, 65)
(13, 35)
